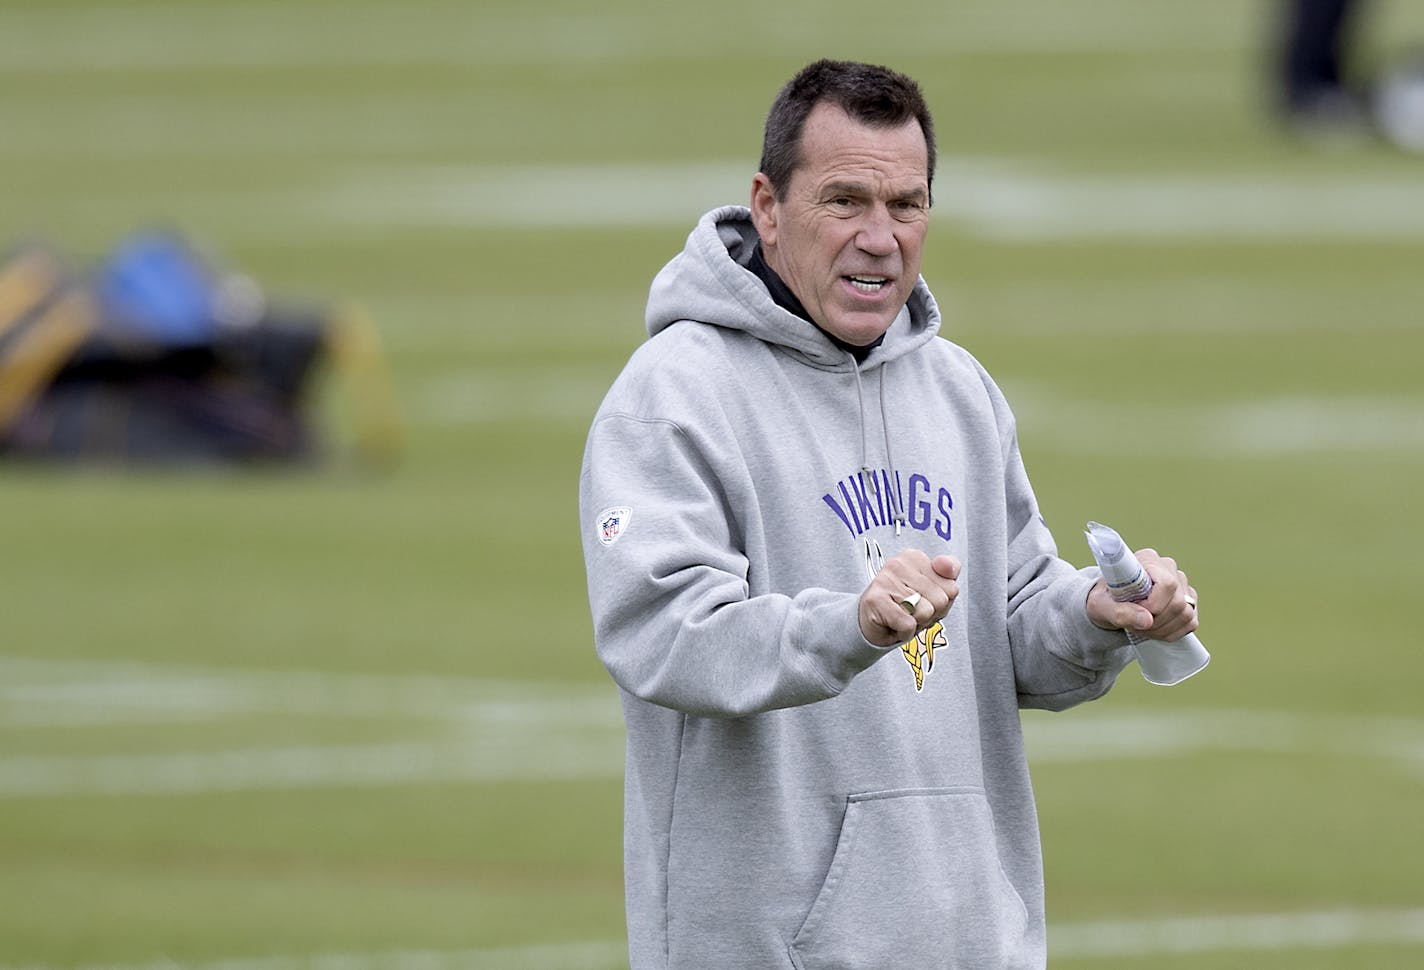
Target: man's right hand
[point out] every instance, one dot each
(884, 621)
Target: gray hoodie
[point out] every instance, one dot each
(795, 796)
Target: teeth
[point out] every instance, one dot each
(867, 284)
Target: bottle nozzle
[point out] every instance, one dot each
(1106, 544)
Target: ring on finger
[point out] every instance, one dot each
(909, 603)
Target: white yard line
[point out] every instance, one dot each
(601, 955)
(512, 756)
(1329, 929)
(989, 198)
(1019, 203)
(451, 730)
(1251, 429)
(37, 692)
(1254, 429)
(468, 730)
(1322, 930)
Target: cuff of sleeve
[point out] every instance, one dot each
(1084, 642)
(831, 639)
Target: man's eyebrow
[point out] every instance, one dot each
(917, 194)
(845, 188)
(862, 189)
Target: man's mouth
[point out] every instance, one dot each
(869, 284)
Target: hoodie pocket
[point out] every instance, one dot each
(915, 881)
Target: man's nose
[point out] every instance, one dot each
(877, 232)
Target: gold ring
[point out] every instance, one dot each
(1191, 601)
(909, 603)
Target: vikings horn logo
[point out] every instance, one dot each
(919, 652)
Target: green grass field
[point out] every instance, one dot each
(352, 721)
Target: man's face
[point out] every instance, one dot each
(849, 234)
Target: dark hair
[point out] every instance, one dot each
(870, 94)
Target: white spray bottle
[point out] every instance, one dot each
(1161, 663)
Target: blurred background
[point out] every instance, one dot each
(321, 712)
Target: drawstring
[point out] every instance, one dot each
(889, 457)
(865, 470)
(874, 483)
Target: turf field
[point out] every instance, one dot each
(355, 721)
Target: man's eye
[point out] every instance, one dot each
(908, 211)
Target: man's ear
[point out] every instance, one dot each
(764, 210)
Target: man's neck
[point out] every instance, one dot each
(782, 296)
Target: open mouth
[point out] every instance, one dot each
(869, 284)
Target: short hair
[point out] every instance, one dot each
(870, 94)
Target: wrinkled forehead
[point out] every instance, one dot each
(836, 148)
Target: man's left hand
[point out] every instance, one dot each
(1168, 613)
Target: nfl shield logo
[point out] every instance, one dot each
(612, 523)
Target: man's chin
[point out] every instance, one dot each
(860, 329)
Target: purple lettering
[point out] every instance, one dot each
(840, 513)
(850, 507)
(867, 511)
(919, 506)
(944, 527)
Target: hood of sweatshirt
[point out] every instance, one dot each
(708, 282)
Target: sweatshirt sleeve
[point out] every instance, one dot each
(674, 621)
(1060, 657)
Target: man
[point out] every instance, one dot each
(819, 577)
